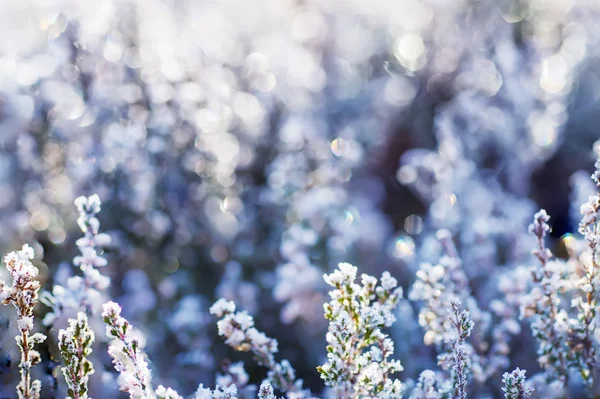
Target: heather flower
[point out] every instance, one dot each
(229, 392)
(126, 351)
(358, 351)
(266, 391)
(430, 386)
(23, 295)
(437, 286)
(75, 345)
(82, 293)
(235, 373)
(460, 356)
(166, 393)
(548, 320)
(237, 328)
(582, 329)
(515, 385)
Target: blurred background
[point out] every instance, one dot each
(241, 149)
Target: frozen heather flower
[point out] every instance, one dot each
(166, 393)
(388, 282)
(463, 325)
(583, 329)
(543, 305)
(23, 295)
(229, 392)
(438, 286)
(345, 274)
(515, 385)
(235, 374)
(222, 307)
(26, 253)
(596, 174)
(25, 323)
(82, 293)
(88, 208)
(75, 345)
(238, 331)
(89, 257)
(540, 227)
(127, 354)
(358, 359)
(427, 387)
(266, 391)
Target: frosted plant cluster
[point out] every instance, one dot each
(230, 162)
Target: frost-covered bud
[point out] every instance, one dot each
(166, 393)
(222, 307)
(266, 391)
(540, 226)
(345, 274)
(229, 392)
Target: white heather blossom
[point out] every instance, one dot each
(582, 329)
(437, 286)
(229, 392)
(128, 356)
(75, 345)
(346, 274)
(25, 323)
(266, 391)
(238, 331)
(567, 336)
(83, 293)
(515, 385)
(543, 304)
(23, 295)
(222, 307)
(166, 393)
(356, 316)
(460, 356)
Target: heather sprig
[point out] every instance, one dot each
(82, 292)
(237, 328)
(89, 244)
(23, 295)
(582, 331)
(75, 345)
(128, 356)
(358, 352)
(229, 392)
(516, 385)
(460, 369)
(549, 323)
(437, 287)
